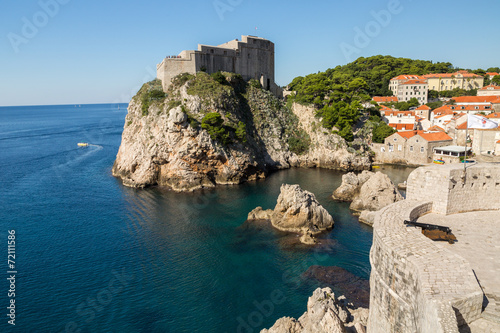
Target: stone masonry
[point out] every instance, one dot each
(418, 285)
(252, 57)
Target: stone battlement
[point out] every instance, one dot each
(418, 285)
(452, 190)
(252, 57)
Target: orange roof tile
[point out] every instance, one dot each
(403, 113)
(460, 108)
(492, 73)
(402, 127)
(449, 75)
(435, 136)
(475, 99)
(423, 107)
(408, 77)
(415, 82)
(462, 126)
(490, 87)
(494, 115)
(435, 128)
(385, 99)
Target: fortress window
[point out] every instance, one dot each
(212, 51)
(225, 52)
(411, 148)
(421, 149)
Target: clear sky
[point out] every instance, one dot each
(76, 52)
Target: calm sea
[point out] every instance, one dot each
(94, 256)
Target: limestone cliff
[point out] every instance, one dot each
(210, 130)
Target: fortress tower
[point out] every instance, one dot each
(252, 57)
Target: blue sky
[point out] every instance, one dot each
(76, 52)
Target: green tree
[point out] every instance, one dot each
(496, 80)
(381, 131)
(219, 77)
(213, 124)
(241, 132)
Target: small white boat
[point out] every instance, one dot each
(83, 144)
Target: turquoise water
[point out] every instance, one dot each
(95, 256)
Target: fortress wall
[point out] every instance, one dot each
(453, 191)
(416, 285)
(252, 57)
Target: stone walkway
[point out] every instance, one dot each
(478, 241)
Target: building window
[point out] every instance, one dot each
(212, 51)
(391, 148)
(411, 148)
(400, 147)
(421, 149)
(395, 139)
(382, 149)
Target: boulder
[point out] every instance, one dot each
(351, 183)
(376, 193)
(296, 211)
(368, 191)
(260, 214)
(325, 314)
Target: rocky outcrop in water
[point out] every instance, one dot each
(296, 211)
(325, 314)
(172, 141)
(368, 191)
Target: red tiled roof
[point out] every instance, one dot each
(404, 113)
(494, 115)
(475, 99)
(460, 108)
(434, 136)
(435, 128)
(415, 82)
(492, 73)
(385, 99)
(408, 77)
(462, 126)
(449, 75)
(385, 108)
(423, 107)
(402, 127)
(490, 87)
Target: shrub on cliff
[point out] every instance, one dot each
(213, 124)
(219, 77)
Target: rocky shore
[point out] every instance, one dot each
(325, 313)
(169, 141)
(296, 211)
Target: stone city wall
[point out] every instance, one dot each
(453, 191)
(417, 285)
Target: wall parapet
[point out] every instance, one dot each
(416, 284)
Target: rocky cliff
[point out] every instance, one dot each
(209, 130)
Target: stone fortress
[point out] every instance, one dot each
(252, 57)
(419, 285)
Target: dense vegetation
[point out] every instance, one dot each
(150, 92)
(338, 93)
